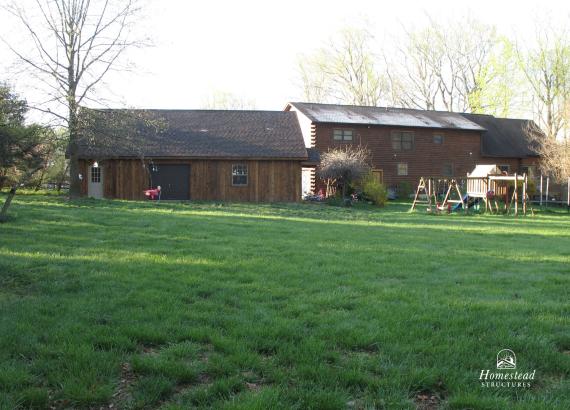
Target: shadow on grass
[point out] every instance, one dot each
(302, 302)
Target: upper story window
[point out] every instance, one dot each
(239, 175)
(402, 140)
(95, 175)
(438, 139)
(342, 135)
(527, 169)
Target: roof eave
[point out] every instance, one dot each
(193, 158)
(481, 129)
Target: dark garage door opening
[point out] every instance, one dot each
(174, 180)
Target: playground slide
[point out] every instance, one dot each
(470, 202)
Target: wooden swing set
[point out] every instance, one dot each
(486, 183)
(433, 188)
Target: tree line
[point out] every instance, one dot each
(455, 66)
(461, 66)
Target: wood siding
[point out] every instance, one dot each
(210, 180)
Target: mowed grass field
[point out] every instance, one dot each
(243, 306)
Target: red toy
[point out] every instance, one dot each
(152, 194)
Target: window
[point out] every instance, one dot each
(342, 135)
(378, 175)
(239, 175)
(447, 170)
(95, 175)
(438, 139)
(528, 170)
(402, 168)
(402, 140)
(505, 168)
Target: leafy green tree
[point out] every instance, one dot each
(21, 146)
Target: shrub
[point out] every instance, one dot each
(342, 166)
(373, 190)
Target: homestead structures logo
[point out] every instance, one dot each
(506, 359)
(505, 376)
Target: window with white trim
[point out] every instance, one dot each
(95, 175)
(239, 175)
(402, 168)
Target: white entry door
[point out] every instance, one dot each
(95, 182)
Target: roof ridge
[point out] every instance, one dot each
(184, 110)
(381, 107)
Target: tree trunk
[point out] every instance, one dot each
(40, 180)
(74, 181)
(7, 202)
(62, 178)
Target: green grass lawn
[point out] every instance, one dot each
(177, 306)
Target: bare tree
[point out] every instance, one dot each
(546, 67)
(225, 100)
(314, 80)
(345, 71)
(76, 43)
(412, 75)
(443, 66)
(473, 45)
(554, 153)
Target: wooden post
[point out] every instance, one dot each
(463, 203)
(516, 195)
(541, 190)
(488, 204)
(568, 194)
(524, 194)
(421, 185)
(434, 194)
(547, 188)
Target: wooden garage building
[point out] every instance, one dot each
(222, 155)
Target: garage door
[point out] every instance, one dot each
(174, 180)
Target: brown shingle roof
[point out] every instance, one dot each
(505, 137)
(193, 134)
